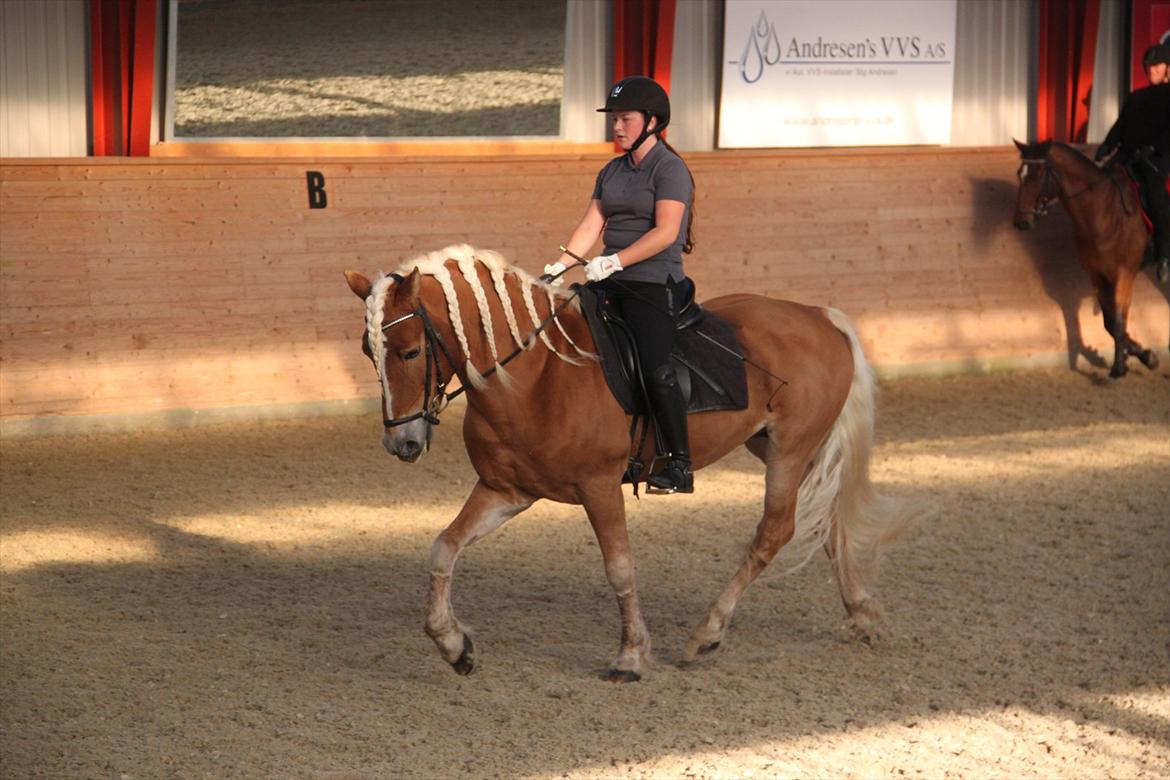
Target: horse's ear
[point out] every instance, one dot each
(1020, 146)
(1044, 147)
(408, 289)
(359, 284)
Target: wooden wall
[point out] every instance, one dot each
(134, 286)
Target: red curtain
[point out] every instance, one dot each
(643, 39)
(1068, 45)
(122, 35)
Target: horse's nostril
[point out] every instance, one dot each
(409, 450)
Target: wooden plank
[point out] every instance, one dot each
(133, 284)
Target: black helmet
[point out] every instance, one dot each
(639, 93)
(1158, 53)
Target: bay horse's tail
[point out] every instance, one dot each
(837, 507)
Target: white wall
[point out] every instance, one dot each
(43, 66)
(995, 72)
(1110, 70)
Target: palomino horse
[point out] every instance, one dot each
(547, 426)
(1107, 222)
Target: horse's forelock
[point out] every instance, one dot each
(375, 316)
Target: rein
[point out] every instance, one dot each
(438, 400)
(1043, 202)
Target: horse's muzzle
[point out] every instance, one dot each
(409, 451)
(409, 442)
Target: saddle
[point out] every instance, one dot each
(1128, 172)
(706, 356)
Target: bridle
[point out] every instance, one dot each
(437, 399)
(1043, 201)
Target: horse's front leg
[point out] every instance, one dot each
(607, 514)
(1124, 299)
(1107, 294)
(485, 510)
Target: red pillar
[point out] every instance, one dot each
(122, 37)
(643, 32)
(1068, 46)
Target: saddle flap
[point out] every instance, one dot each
(705, 357)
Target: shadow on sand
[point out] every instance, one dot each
(252, 652)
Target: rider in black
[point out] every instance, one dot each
(643, 201)
(1141, 137)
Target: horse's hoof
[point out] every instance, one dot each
(1117, 373)
(465, 663)
(694, 655)
(1149, 359)
(866, 623)
(622, 676)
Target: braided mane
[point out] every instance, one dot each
(468, 260)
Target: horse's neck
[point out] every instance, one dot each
(504, 386)
(1083, 191)
(1075, 175)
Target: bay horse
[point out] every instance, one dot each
(1109, 231)
(547, 426)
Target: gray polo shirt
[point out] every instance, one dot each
(628, 194)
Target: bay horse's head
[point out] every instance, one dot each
(1038, 187)
(410, 359)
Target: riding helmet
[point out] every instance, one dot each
(1158, 53)
(639, 93)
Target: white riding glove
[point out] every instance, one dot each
(552, 269)
(601, 267)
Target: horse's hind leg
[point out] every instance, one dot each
(607, 514)
(484, 511)
(865, 616)
(775, 529)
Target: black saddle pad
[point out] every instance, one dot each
(705, 356)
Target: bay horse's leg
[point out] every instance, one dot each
(1114, 324)
(775, 529)
(1124, 296)
(485, 510)
(607, 514)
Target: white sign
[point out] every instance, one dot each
(837, 73)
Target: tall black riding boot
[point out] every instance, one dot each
(670, 417)
(1154, 184)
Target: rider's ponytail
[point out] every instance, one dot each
(689, 243)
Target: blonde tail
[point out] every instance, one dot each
(837, 507)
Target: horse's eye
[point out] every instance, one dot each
(410, 354)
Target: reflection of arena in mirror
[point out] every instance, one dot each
(363, 68)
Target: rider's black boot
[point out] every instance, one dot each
(670, 417)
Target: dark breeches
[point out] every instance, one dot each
(1154, 184)
(649, 310)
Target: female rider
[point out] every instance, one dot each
(643, 201)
